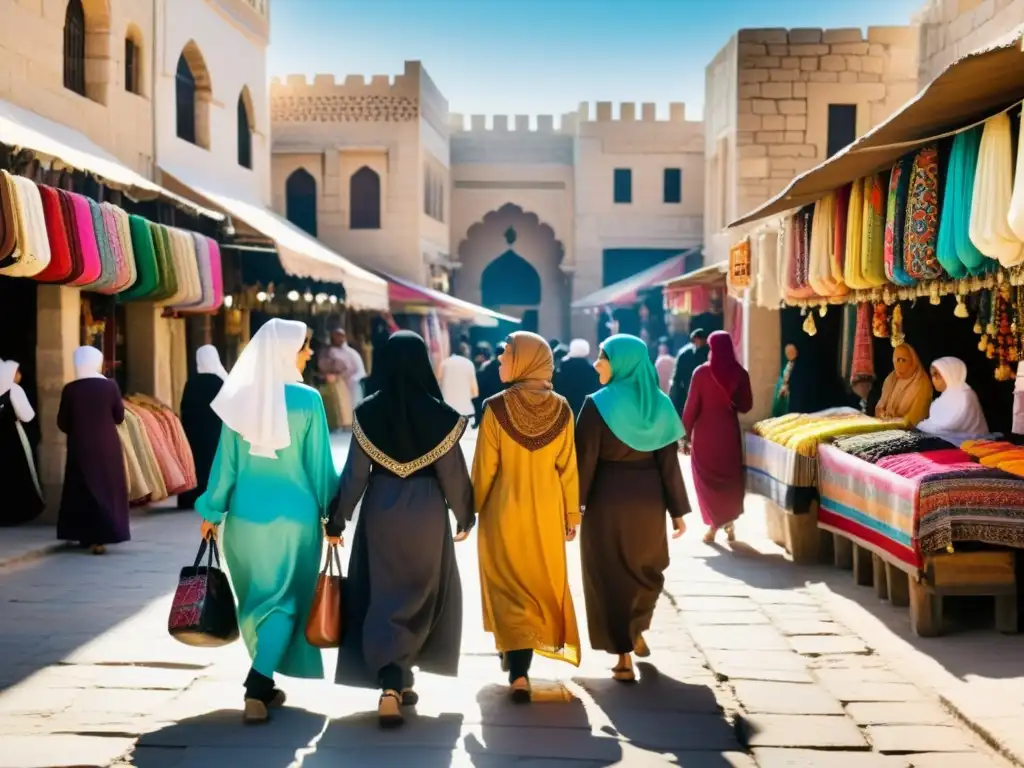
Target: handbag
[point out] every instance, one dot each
(323, 628)
(203, 609)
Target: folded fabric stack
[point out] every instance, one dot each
(157, 455)
(803, 432)
(997, 454)
(59, 237)
(931, 462)
(873, 447)
(978, 505)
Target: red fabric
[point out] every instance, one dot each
(61, 266)
(716, 444)
(67, 209)
(919, 465)
(724, 366)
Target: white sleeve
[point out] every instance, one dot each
(22, 408)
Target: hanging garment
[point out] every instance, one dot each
(872, 260)
(921, 228)
(841, 210)
(862, 370)
(108, 263)
(116, 250)
(146, 264)
(821, 247)
(127, 278)
(33, 244)
(207, 299)
(138, 488)
(766, 261)
(61, 266)
(993, 190)
(796, 257)
(85, 233)
(165, 256)
(955, 252)
(216, 273)
(67, 210)
(8, 221)
(853, 274)
(895, 221)
(1015, 217)
(147, 457)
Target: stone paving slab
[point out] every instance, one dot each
(785, 698)
(807, 731)
(810, 758)
(919, 738)
(899, 713)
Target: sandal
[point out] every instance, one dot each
(255, 712)
(278, 699)
(409, 697)
(389, 709)
(730, 532)
(640, 648)
(623, 672)
(98, 549)
(709, 537)
(519, 690)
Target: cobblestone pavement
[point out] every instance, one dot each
(748, 667)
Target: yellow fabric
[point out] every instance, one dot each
(138, 488)
(909, 398)
(803, 433)
(1003, 457)
(823, 237)
(852, 268)
(1013, 467)
(872, 260)
(530, 400)
(525, 500)
(980, 448)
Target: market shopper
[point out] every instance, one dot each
(201, 424)
(23, 497)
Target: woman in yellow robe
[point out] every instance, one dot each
(907, 391)
(526, 489)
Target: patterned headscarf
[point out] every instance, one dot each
(530, 401)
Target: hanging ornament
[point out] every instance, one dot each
(961, 308)
(898, 337)
(809, 327)
(933, 295)
(880, 322)
(823, 310)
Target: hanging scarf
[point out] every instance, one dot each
(873, 241)
(841, 211)
(906, 396)
(895, 222)
(61, 266)
(921, 228)
(146, 264)
(956, 412)
(632, 403)
(852, 266)
(8, 221)
(529, 410)
(33, 244)
(85, 234)
(769, 294)
(406, 426)
(823, 239)
(208, 361)
(993, 190)
(67, 210)
(846, 345)
(862, 369)
(108, 265)
(955, 252)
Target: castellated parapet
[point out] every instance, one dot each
(570, 122)
(382, 98)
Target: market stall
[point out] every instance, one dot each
(913, 236)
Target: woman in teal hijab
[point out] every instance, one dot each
(631, 486)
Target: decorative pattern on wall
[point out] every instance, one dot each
(344, 109)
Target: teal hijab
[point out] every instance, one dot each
(632, 403)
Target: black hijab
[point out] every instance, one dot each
(407, 417)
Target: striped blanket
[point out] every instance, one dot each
(779, 473)
(874, 508)
(980, 506)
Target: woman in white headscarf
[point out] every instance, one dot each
(23, 499)
(272, 481)
(202, 426)
(94, 505)
(576, 378)
(955, 415)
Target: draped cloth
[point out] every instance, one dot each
(955, 251)
(23, 496)
(956, 413)
(632, 404)
(146, 264)
(766, 263)
(84, 235)
(61, 266)
(821, 245)
(252, 402)
(853, 272)
(862, 370)
(32, 253)
(990, 228)
(8, 221)
(907, 391)
(921, 228)
(795, 257)
(872, 259)
(895, 222)
(841, 210)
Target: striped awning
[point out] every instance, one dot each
(407, 296)
(626, 292)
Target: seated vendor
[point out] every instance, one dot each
(956, 413)
(907, 391)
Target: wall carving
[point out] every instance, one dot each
(344, 109)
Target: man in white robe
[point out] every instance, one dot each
(355, 369)
(458, 383)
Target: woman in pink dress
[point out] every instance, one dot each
(719, 392)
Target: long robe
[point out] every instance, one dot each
(575, 381)
(202, 428)
(687, 361)
(272, 540)
(623, 541)
(20, 482)
(525, 500)
(336, 394)
(716, 452)
(403, 595)
(94, 504)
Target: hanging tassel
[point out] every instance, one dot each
(823, 310)
(961, 309)
(809, 327)
(880, 322)
(898, 337)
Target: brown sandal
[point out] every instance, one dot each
(389, 709)
(519, 690)
(730, 532)
(624, 672)
(255, 712)
(640, 648)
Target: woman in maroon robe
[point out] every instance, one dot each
(719, 392)
(94, 505)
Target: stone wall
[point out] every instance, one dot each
(952, 28)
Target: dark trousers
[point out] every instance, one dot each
(259, 687)
(394, 678)
(519, 663)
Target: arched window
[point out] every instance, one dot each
(364, 199)
(244, 132)
(74, 47)
(300, 200)
(185, 99)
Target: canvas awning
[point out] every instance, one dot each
(23, 129)
(971, 89)
(301, 254)
(627, 292)
(406, 295)
(696, 292)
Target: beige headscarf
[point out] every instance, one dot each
(532, 406)
(907, 397)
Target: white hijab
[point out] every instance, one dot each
(1018, 398)
(208, 361)
(19, 400)
(956, 412)
(88, 363)
(252, 400)
(579, 348)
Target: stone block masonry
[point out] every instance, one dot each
(786, 81)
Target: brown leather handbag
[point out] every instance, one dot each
(323, 628)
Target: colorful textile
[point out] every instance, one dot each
(33, 249)
(108, 264)
(863, 366)
(876, 446)
(914, 466)
(895, 222)
(955, 251)
(146, 264)
(8, 220)
(853, 273)
(990, 229)
(921, 228)
(822, 242)
(841, 210)
(872, 260)
(128, 273)
(84, 234)
(874, 508)
(984, 506)
(67, 210)
(61, 266)
(777, 472)
(982, 448)
(803, 433)
(168, 284)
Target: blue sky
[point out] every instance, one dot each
(544, 56)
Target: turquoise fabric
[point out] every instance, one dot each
(955, 251)
(272, 537)
(632, 403)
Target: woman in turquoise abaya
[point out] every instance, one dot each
(271, 484)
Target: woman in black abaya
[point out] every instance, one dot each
(202, 426)
(23, 500)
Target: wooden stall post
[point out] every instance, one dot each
(802, 537)
(879, 577)
(925, 610)
(843, 549)
(862, 566)
(898, 586)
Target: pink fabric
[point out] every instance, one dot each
(217, 272)
(163, 448)
(918, 465)
(86, 234)
(182, 450)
